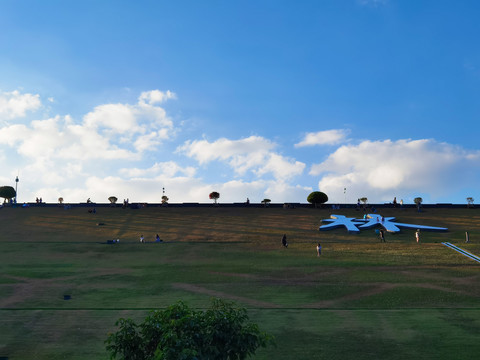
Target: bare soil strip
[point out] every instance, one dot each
(219, 294)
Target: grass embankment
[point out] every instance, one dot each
(361, 299)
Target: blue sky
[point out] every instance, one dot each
(258, 99)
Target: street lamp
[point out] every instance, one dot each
(16, 186)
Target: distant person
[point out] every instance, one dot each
(157, 238)
(417, 235)
(395, 201)
(382, 235)
(142, 240)
(319, 249)
(284, 240)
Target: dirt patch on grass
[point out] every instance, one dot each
(26, 289)
(238, 275)
(201, 290)
(376, 289)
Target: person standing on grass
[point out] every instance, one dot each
(382, 235)
(417, 235)
(284, 240)
(319, 249)
(142, 240)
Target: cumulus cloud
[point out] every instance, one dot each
(382, 169)
(59, 150)
(166, 169)
(110, 131)
(59, 138)
(155, 97)
(327, 137)
(128, 120)
(222, 149)
(14, 104)
(253, 154)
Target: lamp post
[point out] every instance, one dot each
(16, 186)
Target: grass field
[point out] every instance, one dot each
(361, 299)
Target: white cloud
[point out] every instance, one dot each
(249, 154)
(129, 120)
(110, 131)
(166, 169)
(384, 169)
(14, 104)
(59, 138)
(223, 149)
(327, 137)
(119, 118)
(155, 97)
(280, 167)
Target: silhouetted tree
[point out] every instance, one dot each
(317, 197)
(418, 201)
(214, 196)
(8, 193)
(265, 202)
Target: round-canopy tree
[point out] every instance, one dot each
(418, 201)
(470, 201)
(112, 199)
(265, 202)
(7, 192)
(317, 197)
(214, 196)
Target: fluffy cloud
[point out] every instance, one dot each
(327, 137)
(155, 97)
(383, 169)
(224, 149)
(60, 138)
(14, 104)
(129, 120)
(166, 169)
(254, 154)
(110, 131)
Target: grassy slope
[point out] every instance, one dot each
(361, 299)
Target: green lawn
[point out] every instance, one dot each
(361, 299)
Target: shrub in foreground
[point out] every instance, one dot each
(179, 332)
